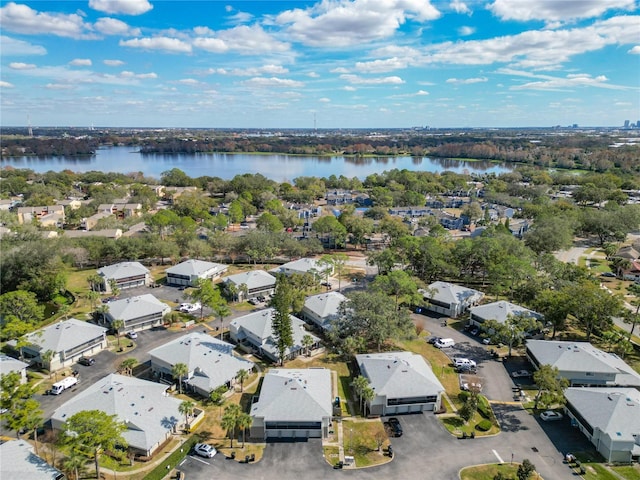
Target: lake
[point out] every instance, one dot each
(277, 167)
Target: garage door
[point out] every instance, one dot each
(294, 433)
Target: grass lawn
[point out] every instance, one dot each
(628, 472)
(487, 472)
(360, 441)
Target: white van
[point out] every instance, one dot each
(445, 343)
(464, 362)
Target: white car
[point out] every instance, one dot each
(204, 450)
(190, 307)
(550, 416)
(521, 373)
(132, 335)
(463, 362)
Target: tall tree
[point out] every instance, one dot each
(91, 432)
(205, 293)
(178, 371)
(513, 330)
(550, 386)
(230, 419)
(241, 376)
(281, 322)
(399, 285)
(186, 408)
(117, 325)
(127, 365)
(594, 307)
(244, 423)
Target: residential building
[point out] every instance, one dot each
(89, 223)
(320, 310)
(125, 274)
(189, 272)
(254, 333)
(251, 284)
(47, 216)
(114, 233)
(628, 252)
(582, 364)
(499, 311)
(68, 340)
(450, 299)
(609, 418)
(137, 313)
(403, 382)
(121, 209)
(151, 416)
(630, 272)
(293, 404)
(71, 203)
(9, 364)
(210, 361)
(19, 461)
(304, 265)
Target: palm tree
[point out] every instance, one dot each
(242, 376)
(359, 384)
(113, 285)
(127, 365)
(244, 422)
(230, 419)
(93, 297)
(178, 371)
(46, 357)
(368, 394)
(117, 325)
(307, 343)
(74, 463)
(186, 408)
(95, 281)
(222, 311)
(102, 310)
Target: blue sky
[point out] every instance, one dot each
(338, 63)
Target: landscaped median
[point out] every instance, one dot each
(366, 441)
(495, 471)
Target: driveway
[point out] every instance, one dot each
(426, 450)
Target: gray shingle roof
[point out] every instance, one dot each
(18, 460)
(499, 311)
(302, 265)
(196, 268)
(210, 361)
(123, 270)
(253, 279)
(451, 293)
(399, 374)
(295, 395)
(324, 305)
(9, 364)
(142, 405)
(615, 411)
(136, 307)
(64, 335)
(582, 357)
(259, 323)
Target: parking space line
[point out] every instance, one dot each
(497, 456)
(200, 460)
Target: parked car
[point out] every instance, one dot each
(204, 450)
(476, 387)
(395, 427)
(521, 373)
(466, 368)
(608, 274)
(445, 343)
(433, 339)
(86, 361)
(474, 331)
(461, 361)
(550, 416)
(132, 335)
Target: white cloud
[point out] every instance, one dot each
(113, 63)
(635, 50)
(167, 44)
(243, 39)
(13, 47)
(21, 66)
(554, 10)
(59, 86)
(465, 31)
(112, 26)
(382, 66)
(421, 93)
(4, 84)
(467, 81)
(272, 82)
(126, 7)
(81, 62)
(240, 17)
(23, 19)
(349, 88)
(188, 81)
(571, 81)
(324, 100)
(460, 7)
(313, 75)
(339, 70)
(127, 74)
(536, 48)
(357, 80)
(341, 23)
(252, 71)
(623, 104)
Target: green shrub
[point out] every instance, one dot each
(484, 407)
(484, 425)
(463, 396)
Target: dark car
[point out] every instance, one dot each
(433, 339)
(395, 427)
(86, 361)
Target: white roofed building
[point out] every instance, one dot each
(125, 274)
(499, 311)
(137, 313)
(189, 272)
(293, 404)
(251, 284)
(210, 361)
(450, 299)
(403, 382)
(320, 310)
(9, 364)
(19, 461)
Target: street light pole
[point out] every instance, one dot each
(511, 458)
(351, 440)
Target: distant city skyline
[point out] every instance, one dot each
(325, 64)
